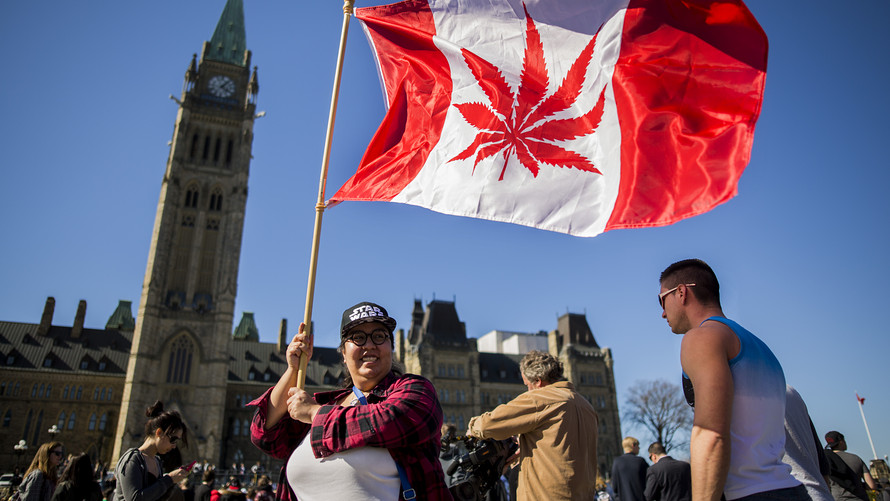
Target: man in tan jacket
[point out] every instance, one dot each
(557, 431)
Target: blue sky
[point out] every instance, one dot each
(801, 251)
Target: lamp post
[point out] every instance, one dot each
(20, 449)
(53, 431)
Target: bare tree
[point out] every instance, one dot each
(659, 407)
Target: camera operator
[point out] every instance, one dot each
(557, 431)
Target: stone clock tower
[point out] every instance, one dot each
(182, 342)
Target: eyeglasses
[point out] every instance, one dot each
(665, 293)
(173, 438)
(359, 338)
(57, 453)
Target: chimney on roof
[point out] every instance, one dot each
(77, 330)
(46, 320)
(400, 344)
(282, 336)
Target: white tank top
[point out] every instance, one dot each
(363, 473)
(758, 419)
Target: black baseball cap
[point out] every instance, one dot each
(833, 439)
(365, 312)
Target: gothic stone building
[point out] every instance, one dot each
(95, 384)
(75, 377)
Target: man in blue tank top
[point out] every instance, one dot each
(737, 389)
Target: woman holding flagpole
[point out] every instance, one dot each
(376, 438)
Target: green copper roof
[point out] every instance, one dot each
(229, 40)
(122, 318)
(247, 329)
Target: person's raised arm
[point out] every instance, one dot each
(704, 355)
(277, 407)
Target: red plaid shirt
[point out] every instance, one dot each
(403, 415)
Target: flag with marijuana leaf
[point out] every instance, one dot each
(577, 116)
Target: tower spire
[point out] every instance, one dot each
(229, 42)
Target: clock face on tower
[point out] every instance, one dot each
(221, 86)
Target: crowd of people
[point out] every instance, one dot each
(751, 440)
(139, 475)
(379, 437)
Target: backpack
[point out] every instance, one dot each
(844, 476)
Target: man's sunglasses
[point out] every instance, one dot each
(665, 293)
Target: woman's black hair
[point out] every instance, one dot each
(79, 471)
(166, 421)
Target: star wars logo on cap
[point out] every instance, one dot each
(366, 311)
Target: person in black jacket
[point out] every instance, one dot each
(629, 472)
(77, 482)
(202, 492)
(667, 479)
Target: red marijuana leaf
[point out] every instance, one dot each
(517, 123)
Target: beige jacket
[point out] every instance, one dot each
(557, 431)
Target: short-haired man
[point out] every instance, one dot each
(668, 479)
(737, 389)
(629, 472)
(557, 431)
(847, 484)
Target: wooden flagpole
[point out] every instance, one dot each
(319, 206)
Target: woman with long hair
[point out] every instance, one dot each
(140, 472)
(42, 476)
(77, 482)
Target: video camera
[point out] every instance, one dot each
(474, 466)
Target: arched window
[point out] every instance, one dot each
(236, 427)
(65, 393)
(216, 148)
(194, 147)
(42, 389)
(71, 421)
(36, 438)
(49, 391)
(34, 390)
(191, 197)
(28, 424)
(18, 388)
(229, 152)
(79, 392)
(102, 396)
(96, 393)
(61, 424)
(2, 388)
(216, 200)
(109, 393)
(103, 422)
(179, 368)
(92, 425)
(246, 428)
(7, 418)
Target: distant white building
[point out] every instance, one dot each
(512, 343)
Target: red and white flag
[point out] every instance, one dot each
(576, 116)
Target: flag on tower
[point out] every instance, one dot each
(860, 399)
(575, 116)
